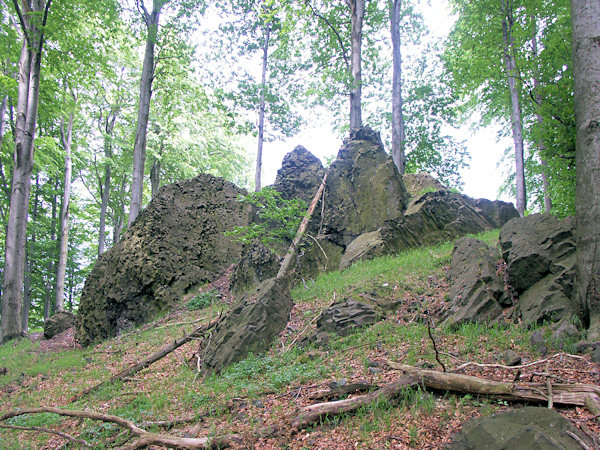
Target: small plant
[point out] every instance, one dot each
(203, 300)
(278, 219)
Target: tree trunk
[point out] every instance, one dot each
(28, 98)
(357, 10)
(261, 110)
(48, 304)
(398, 134)
(515, 112)
(540, 123)
(28, 263)
(64, 215)
(155, 177)
(105, 184)
(585, 16)
(3, 106)
(139, 148)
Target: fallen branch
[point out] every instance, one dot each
(562, 393)
(311, 414)
(502, 366)
(146, 438)
(126, 373)
(68, 437)
(338, 391)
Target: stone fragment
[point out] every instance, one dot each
(57, 323)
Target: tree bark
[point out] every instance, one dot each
(27, 106)
(155, 177)
(398, 133)
(28, 263)
(512, 75)
(105, 184)
(540, 123)
(61, 271)
(357, 10)
(261, 111)
(139, 148)
(585, 17)
(48, 305)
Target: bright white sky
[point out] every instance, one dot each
(482, 179)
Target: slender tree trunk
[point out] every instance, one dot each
(3, 106)
(261, 110)
(139, 149)
(357, 10)
(28, 263)
(155, 177)
(66, 138)
(585, 16)
(105, 184)
(515, 113)
(51, 267)
(28, 98)
(540, 123)
(398, 133)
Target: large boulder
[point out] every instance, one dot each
(477, 292)
(300, 175)
(363, 190)
(250, 326)
(539, 251)
(57, 323)
(175, 244)
(529, 427)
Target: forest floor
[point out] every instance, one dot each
(267, 390)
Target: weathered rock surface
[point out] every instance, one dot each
(477, 291)
(250, 326)
(539, 251)
(417, 184)
(58, 323)
(366, 246)
(300, 175)
(529, 427)
(363, 189)
(176, 243)
(345, 316)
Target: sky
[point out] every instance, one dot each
(481, 180)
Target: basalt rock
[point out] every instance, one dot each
(477, 292)
(58, 323)
(175, 244)
(539, 251)
(529, 427)
(250, 326)
(300, 175)
(420, 183)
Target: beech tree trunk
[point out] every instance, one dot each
(27, 106)
(139, 148)
(540, 123)
(398, 133)
(28, 264)
(357, 10)
(585, 16)
(261, 111)
(109, 127)
(48, 295)
(512, 75)
(155, 177)
(61, 271)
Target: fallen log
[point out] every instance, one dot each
(126, 373)
(313, 413)
(562, 393)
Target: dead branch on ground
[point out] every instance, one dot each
(126, 373)
(573, 394)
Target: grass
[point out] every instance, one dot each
(266, 388)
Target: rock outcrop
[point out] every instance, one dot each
(176, 243)
(539, 251)
(529, 427)
(477, 292)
